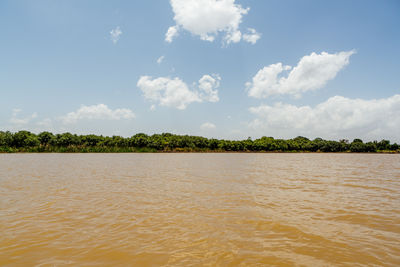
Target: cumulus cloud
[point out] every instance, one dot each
(167, 92)
(175, 92)
(252, 36)
(160, 59)
(16, 120)
(115, 34)
(208, 18)
(338, 117)
(98, 112)
(311, 73)
(207, 86)
(207, 126)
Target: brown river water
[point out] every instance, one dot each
(223, 209)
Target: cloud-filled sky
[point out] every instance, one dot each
(218, 68)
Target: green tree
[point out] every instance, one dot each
(383, 145)
(357, 146)
(66, 140)
(91, 140)
(24, 139)
(45, 138)
(139, 140)
(6, 139)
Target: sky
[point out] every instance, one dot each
(216, 68)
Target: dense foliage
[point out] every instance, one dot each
(25, 141)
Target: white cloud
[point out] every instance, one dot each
(160, 59)
(232, 37)
(208, 18)
(338, 117)
(97, 112)
(21, 121)
(251, 37)
(207, 86)
(167, 92)
(171, 33)
(45, 123)
(311, 73)
(115, 34)
(207, 126)
(175, 93)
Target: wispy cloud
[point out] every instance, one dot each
(15, 120)
(115, 34)
(252, 36)
(97, 112)
(160, 60)
(207, 126)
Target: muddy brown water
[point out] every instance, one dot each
(199, 209)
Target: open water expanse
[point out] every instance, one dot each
(200, 209)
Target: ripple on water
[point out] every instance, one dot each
(199, 209)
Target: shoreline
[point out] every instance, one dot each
(198, 152)
(47, 142)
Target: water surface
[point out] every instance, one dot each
(199, 209)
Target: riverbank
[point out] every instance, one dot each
(25, 141)
(150, 150)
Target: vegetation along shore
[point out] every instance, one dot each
(25, 141)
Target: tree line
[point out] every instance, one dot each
(25, 141)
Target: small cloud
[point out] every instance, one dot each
(251, 37)
(207, 126)
(98, 112)
(176, 93)
(115, 34)
(21, 121)
(46, 123)
(171, 33)
(167, 92)
(15, 111)
(208, 85)
(160, 59)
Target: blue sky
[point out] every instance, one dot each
(218, 76)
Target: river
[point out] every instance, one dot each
(221, 209)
